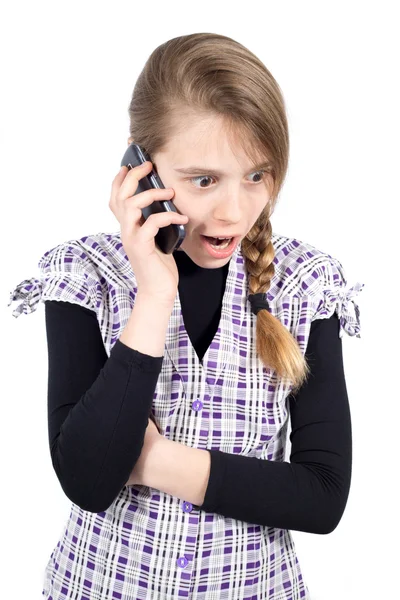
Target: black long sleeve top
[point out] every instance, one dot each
(98, 410)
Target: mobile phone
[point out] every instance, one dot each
(170, 237)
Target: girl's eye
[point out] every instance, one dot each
(203, 177)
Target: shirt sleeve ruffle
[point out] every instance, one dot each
(334, 296)
(62, 277)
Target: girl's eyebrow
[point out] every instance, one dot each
(206, 170)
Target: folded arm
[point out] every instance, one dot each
(310, 492)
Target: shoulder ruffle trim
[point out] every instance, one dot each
(29, 291)
(342, 301)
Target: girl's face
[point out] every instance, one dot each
(215, 185)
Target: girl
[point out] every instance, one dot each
(172, 377)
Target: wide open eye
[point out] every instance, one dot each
(260, 174)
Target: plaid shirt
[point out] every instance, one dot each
(148, 544)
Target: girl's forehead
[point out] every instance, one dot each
(209, 144)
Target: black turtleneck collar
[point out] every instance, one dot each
(201, 292)
(186, 266)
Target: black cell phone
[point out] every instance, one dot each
(170, 237)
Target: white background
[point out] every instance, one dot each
(67, 74)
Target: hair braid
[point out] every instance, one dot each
(271, 335)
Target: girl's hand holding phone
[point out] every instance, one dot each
(156, 273)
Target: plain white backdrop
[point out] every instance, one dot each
(67, 75)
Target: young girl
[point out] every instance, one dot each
(172, 377)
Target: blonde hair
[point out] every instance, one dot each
(211, 74)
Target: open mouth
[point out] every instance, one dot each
(221, 244)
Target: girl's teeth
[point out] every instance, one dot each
(221, 246)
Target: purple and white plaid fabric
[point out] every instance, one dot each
(148, 544)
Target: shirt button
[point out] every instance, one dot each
(182, 562)
(197, 405)
(187, 506)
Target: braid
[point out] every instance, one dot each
(259, 252)
(275, 345)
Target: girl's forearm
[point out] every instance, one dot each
(178, 470)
